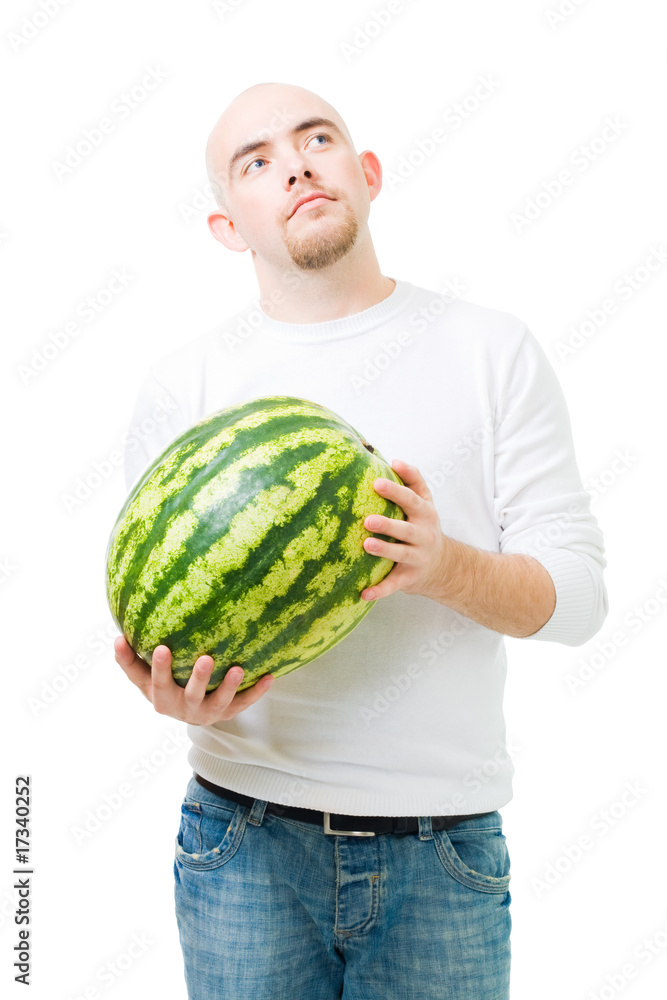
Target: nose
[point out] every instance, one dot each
(293, 178)
(296, 166)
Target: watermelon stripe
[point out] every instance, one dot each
(237, 501)
(248, 611)
(178, 478)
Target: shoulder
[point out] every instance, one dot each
(475, 324)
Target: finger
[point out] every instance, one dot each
(165, 688)
(383, 589)
(406, 498)
(224, 703)
(391, 526)
(398, 551)
(124, 652)
(136, 669)
(195, 689)
(244, 699)
(221, 697)
(412, 477)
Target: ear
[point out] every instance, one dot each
(373, 170)
(225, 232)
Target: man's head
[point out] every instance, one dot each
(274, 144)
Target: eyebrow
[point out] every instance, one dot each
(253, 145)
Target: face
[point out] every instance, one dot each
(273, 146)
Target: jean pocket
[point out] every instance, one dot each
(475, 856)
(209, 835)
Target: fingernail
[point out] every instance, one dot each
(236, 674)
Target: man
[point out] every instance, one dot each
(340, 835)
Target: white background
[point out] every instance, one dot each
(125, 206)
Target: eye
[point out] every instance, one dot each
(258, 160)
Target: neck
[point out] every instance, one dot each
(349, 286)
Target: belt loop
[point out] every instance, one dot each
(256, 816)
(425, 828)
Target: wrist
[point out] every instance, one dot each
(455, 563)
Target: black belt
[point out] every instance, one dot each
(351, 826)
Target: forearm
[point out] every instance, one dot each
(508, 593)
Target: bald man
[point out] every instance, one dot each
(328, 240)
(341, 835)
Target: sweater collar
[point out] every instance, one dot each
(337, 329)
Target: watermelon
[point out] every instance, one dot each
(244, 540)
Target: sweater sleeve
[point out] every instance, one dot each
(540, 503)
(156, 420)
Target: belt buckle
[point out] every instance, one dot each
(345, 833)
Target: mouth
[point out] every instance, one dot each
(314, 198)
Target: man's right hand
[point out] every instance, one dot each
(191, 704)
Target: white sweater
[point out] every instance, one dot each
(404, 714)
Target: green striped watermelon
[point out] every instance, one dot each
(244, 540)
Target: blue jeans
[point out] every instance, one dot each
(270, 908)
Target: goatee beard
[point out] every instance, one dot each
(323, 248)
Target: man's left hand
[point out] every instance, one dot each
(419, 550)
